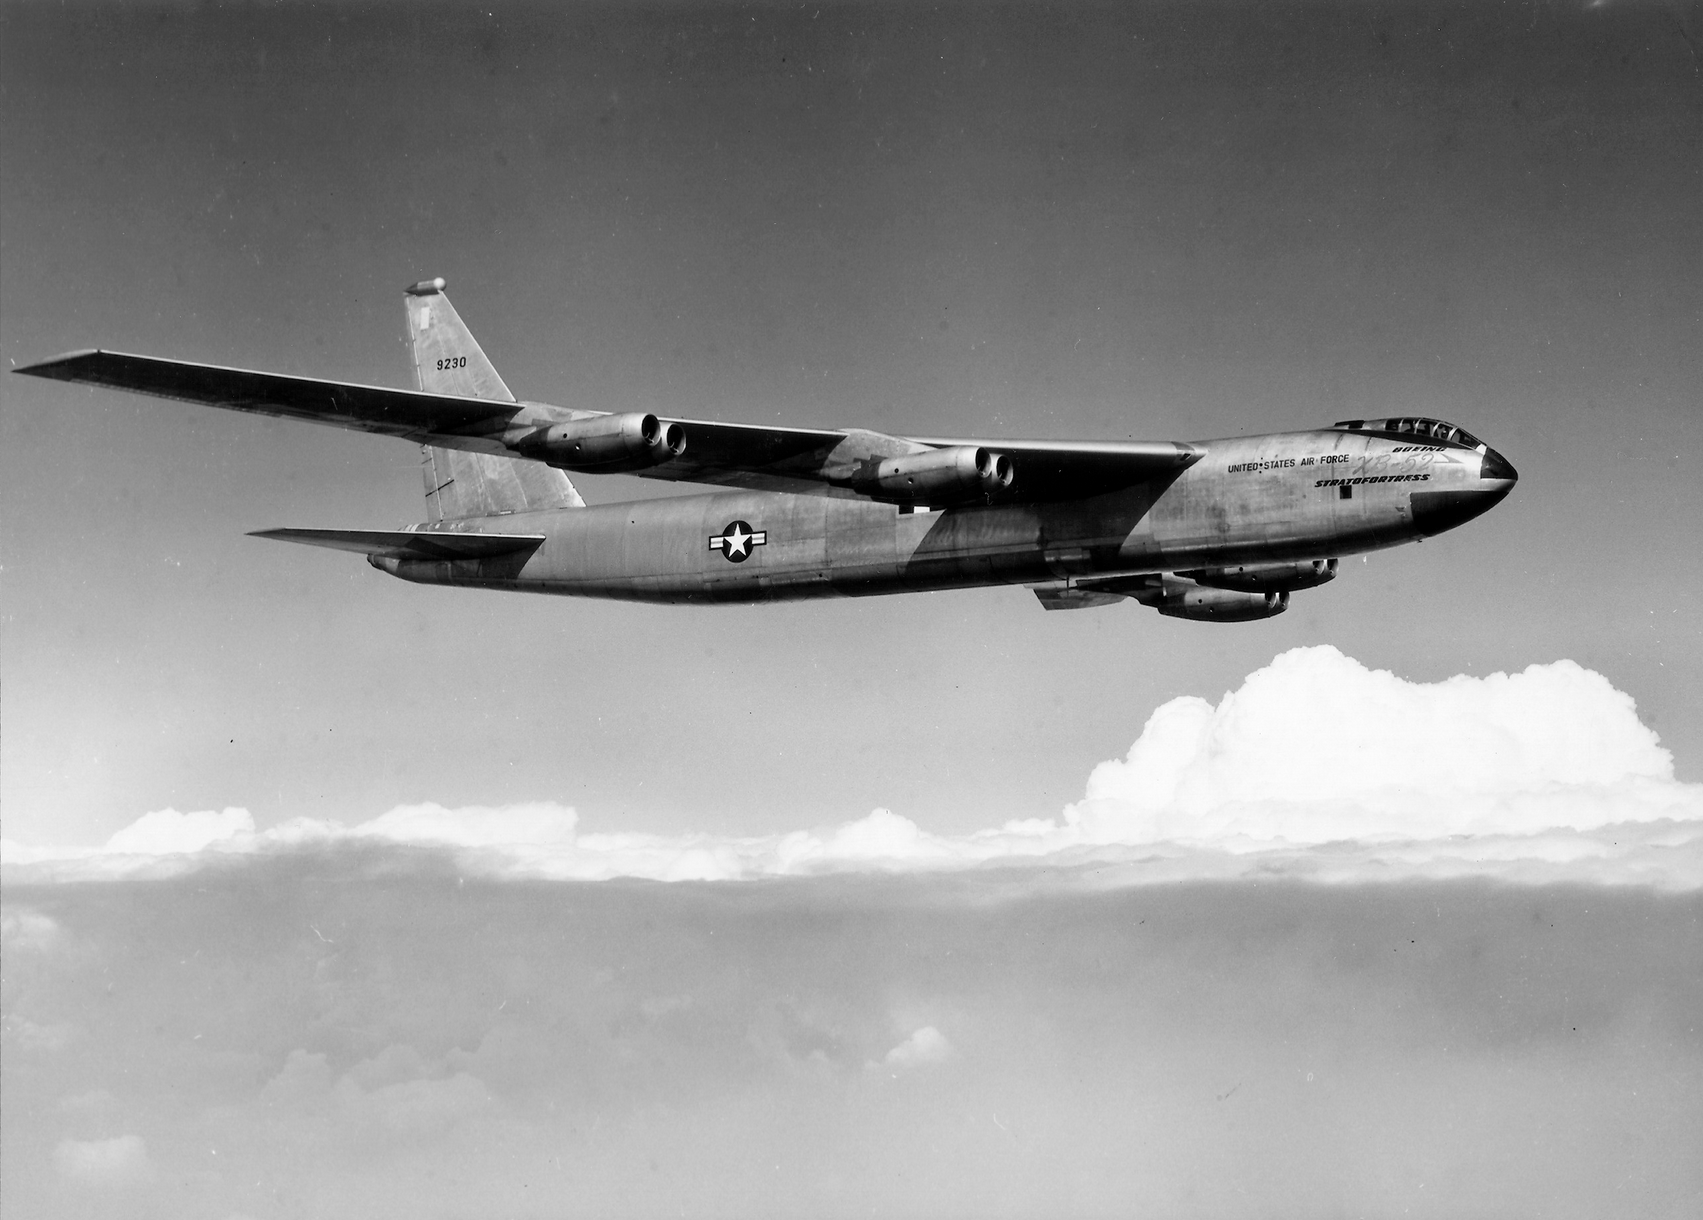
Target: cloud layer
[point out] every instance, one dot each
(299, 1035)
(1315, 766)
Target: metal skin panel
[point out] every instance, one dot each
(1263, 499)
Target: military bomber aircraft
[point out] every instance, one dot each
(1217, 530)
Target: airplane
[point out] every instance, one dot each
(1214, 531)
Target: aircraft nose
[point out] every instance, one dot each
(1436, 511)
(1495, 466)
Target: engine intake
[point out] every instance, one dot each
(943, 476)
(1266, 577)
(1177, 598)
(607, 443)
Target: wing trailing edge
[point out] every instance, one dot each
(464, 406)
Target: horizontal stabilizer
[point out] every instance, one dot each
(410, 544)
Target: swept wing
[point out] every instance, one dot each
(758, 457)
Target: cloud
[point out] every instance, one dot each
(1315, 767)
(420, 1107)
(395, 1093)
(25, 931)
(120, 1161)
(538, 824)
(926, 1045)
(1316, 747)
(166, 831)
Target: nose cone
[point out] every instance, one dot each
(1495, 466)
(1436, 511)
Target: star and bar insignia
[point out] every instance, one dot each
(738, 540)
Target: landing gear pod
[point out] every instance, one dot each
(607, 444)
(944, 476)
(1266, 577)
(1175, 598)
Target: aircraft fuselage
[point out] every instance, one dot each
(1286, 497)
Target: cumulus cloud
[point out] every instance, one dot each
(1315, 767)
(120, 1161)
(926, 1045)
(167, 832)
(1316, 747)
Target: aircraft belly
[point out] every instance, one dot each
(795, 554)
(978, 545)
(860, 545)
(1252, 501)
(732, 547)
(794, 546)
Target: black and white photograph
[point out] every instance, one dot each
(864, 608)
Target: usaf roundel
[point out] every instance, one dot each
(738, 540)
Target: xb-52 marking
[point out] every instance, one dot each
(1216, 530)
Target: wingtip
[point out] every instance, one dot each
(426, 288)
(55, 367)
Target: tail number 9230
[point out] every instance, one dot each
(452, 362)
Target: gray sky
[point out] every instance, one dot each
(1170, 222)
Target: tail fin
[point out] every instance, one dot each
(462, 484)
(447, 360)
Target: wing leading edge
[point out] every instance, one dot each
(731, 454)
(758, 457)
(443, 419)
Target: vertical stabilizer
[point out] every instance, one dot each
(462, 484)
(459, 483)
(447, 359)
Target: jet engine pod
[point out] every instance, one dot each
(1177, 598)
(607, 443)
(1266, 577)
(943, 476)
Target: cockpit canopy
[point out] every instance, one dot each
(1415, 427)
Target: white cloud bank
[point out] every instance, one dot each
(1315, 767)
(1316, 747)
(166, 832)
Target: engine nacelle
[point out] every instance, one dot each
(943, 476)
(1266, 577)
(1176, 598)
(607, 443)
